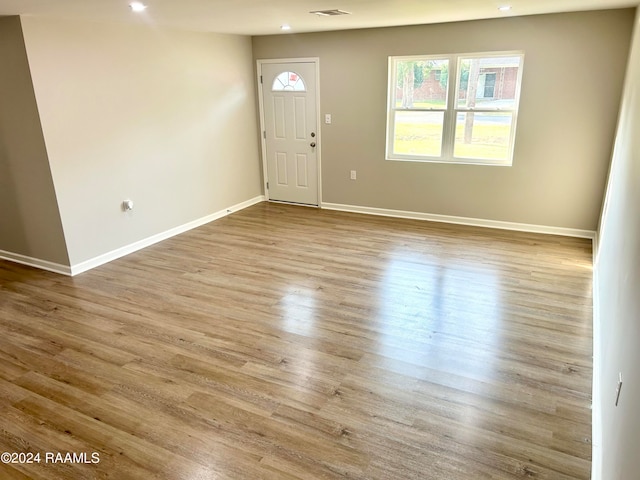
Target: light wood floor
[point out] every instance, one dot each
(285, 342)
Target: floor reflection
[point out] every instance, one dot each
(298, 306)
(441, 315)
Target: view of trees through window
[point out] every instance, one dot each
(422, 83)
(478, 124)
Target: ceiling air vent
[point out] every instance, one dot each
(330, 13)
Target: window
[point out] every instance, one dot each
(454, 108)
(288, 82)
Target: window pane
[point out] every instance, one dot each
(421, 83)
(488, 82)
(418, 133)
(288, 81)
(483, 135)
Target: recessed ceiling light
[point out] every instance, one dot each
(504, 8)
(138, 6)
(285, 27)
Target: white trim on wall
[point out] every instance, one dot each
(127, 249)
(146, 242)
(596, 397)
(476, 222)
(35, 262)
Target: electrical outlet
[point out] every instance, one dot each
(353, 175)
(127, 205)
(327, 118)
(618, 388)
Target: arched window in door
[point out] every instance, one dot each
(288, 81)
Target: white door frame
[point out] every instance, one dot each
(265, 177)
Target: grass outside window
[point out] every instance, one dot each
(455, 109)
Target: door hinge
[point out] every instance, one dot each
(267, 185)
(260, 78)
(264, 134)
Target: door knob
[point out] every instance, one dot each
(313, 134)
(313, 144)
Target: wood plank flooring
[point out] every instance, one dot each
(284, 342)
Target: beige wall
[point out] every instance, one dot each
(617, 275)
(573, 74)
(29, 220)
(163, 117)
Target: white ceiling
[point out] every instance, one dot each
(257, 17)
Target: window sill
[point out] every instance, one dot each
(453, 161)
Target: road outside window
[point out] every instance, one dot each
(454, 108)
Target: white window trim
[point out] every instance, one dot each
(451, 111)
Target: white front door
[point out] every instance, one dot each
(290, 131)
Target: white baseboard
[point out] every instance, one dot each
(36, 262)
(127, 249)
(146, 242)
(476, 222)
(596, 399)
